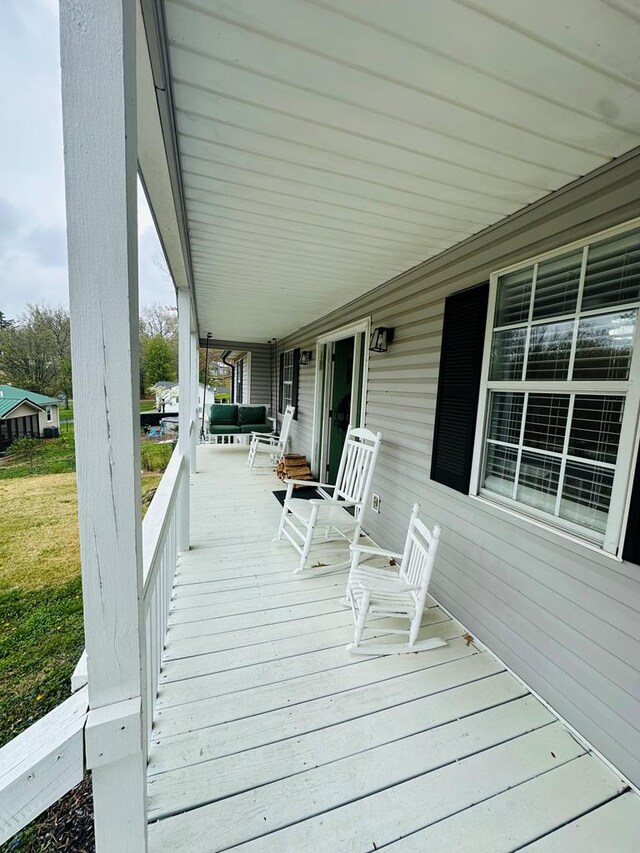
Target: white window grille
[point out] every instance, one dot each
(287, 379)
(558, 408)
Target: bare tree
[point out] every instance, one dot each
(35, 349)
(159, 322)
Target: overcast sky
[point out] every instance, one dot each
(33, 265)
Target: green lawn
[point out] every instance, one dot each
(155, 456)
(41, 622)
(51, 456)
(41, 633)
(145, 406)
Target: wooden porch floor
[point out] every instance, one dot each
(270, 737)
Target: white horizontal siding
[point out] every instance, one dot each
(260, 389)
(566, 618)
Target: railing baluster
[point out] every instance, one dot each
(160, 553)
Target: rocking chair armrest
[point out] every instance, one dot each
(261, 436)
(378, 552)
(288, 480)
(344, 504)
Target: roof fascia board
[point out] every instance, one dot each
(153, 24)
(21, 403)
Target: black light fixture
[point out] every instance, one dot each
(305, 357)
(381, 337)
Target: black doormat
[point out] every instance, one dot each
(305, 493)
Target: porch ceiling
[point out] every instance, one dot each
(327, 145)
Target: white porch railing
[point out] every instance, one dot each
(160, 534)
(47, 760)
(42, 764)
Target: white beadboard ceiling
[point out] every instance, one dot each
(328, 145)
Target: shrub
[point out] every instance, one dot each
(28, 450)
(154, 456)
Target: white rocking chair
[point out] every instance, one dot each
(394, 591)
(271, 444)
(327, 515)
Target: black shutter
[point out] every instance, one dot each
(631, 549)
(295, 383)
(280, 381)
(465, 317)
(239, 381)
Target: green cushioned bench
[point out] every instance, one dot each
(230, 420)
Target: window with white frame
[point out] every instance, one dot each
(560, 410)
(49, 414)
(287, 380)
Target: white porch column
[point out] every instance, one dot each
(99, 111)
(185, 410)
(195, 388)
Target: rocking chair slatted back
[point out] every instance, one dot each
(285, 429)
(356, 466)
(419, 554)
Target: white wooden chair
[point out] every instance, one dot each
(327, 516)
(269, 444)
(394, 591)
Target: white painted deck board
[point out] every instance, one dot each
(511, 819)
(217, 736)
(613, 826)
(203, 644)
(269, 736)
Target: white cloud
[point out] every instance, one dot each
(32, 212)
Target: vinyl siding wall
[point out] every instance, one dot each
(261, 377)
(55, 418)
(25, 411)
(564, 617)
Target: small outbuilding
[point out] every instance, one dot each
(26, 413)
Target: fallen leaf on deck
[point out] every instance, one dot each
(468, 638)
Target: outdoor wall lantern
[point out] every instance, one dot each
(305, 357)
(381, 337)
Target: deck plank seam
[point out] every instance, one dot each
(257, 787)
(345, 664)
(573, 818)
(287, 637)
(156, 741)
(382, 788)
(298, 735)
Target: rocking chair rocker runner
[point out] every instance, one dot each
(327, 515)
(273, 445)
(398, 591)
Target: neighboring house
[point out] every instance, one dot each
(25, 413)
(166, 392)
(168, 397)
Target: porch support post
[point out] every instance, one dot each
(185, 414)
(195, 389)
(99, 112)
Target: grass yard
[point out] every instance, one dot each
(155, 456)
(145, 406)
(41, 628)
(41, 633)
(49, 456)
